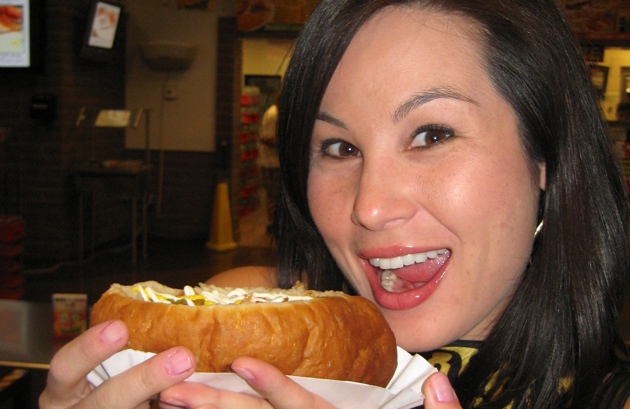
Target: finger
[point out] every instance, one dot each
(66, 382)
(439, 394)
(196, 395)
(273, 385)
(138, 384)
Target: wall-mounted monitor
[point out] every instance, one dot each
(22, 26)
(102, 30)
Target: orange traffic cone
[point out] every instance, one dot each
(221, 237)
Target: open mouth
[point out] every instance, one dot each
(409, 271)
(405, 281)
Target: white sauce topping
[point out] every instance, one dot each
(211, 295)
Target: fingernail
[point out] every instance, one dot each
(178, 362)
(111, 333)
(244, 373)
(442, 389)
(172, 405)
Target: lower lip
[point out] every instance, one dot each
(403, 300)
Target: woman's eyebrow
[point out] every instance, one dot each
(326, 117)
(427, 96)
(414, 102)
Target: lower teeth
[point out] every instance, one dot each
(388, 279)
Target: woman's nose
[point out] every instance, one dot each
(384, 197)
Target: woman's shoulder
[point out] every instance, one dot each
(250, 276)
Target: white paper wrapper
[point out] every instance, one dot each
(403, 391)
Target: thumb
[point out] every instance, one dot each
(275, 387)
(439, 394)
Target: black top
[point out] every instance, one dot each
(452, 359)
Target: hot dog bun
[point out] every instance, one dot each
(327, 335)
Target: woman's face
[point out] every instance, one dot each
(418, 181)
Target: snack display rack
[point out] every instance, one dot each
(12, 234)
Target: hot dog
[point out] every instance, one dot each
(328, 335)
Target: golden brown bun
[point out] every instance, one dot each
(332, 336)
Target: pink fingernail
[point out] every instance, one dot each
(244, 373)
(172, 405)
(111, 333)
(442, 389)
(178, 362)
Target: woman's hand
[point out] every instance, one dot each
(280, 392)
(67, 386)
(277, 391)
(439, 394)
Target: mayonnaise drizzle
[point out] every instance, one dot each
(211, 295)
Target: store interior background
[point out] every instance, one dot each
(195, 137)
(195, 145)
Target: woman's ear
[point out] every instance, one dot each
(542, 175)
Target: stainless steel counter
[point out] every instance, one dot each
(26, 335)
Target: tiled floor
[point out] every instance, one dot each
(174, 263)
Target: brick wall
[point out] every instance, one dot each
(37, 159)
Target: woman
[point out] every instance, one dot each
(447, 160)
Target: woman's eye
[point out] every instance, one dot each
(430, 135)
(340, 149)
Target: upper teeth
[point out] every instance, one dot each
(406, 260)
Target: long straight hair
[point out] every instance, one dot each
(557, 355)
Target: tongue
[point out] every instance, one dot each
(411, 276)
